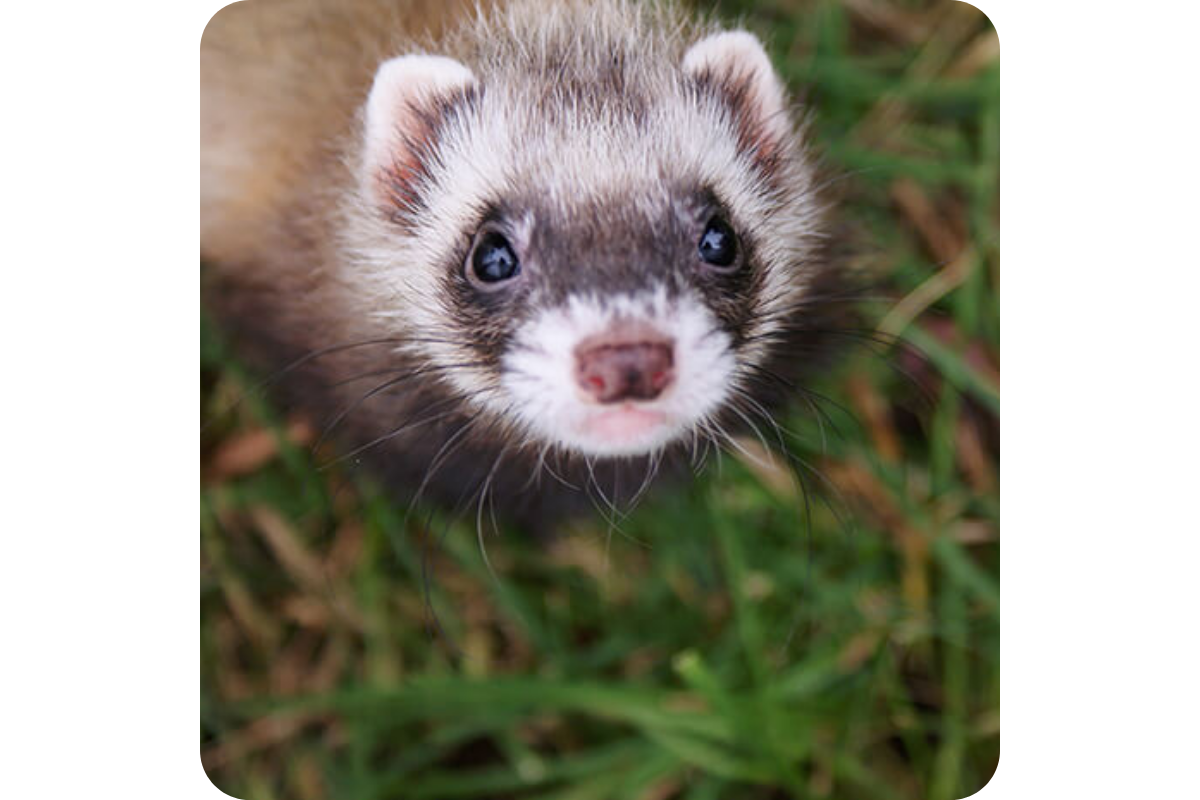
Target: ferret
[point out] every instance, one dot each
(529, 250)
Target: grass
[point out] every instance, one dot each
(732, 640)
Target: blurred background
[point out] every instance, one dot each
(748, 636)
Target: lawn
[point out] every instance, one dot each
(831, 631)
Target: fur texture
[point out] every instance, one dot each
(347, 175)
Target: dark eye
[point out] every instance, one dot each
(493, 259)
(718, 245)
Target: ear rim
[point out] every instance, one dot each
(406, 92)
(736, 65)
(736, 55)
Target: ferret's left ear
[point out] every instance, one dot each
(735, 65)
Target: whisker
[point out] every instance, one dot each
(447, 449)
(609, 513)
(395, 432)
(483, 494)
(296, 364)
(383, 387)
(652, 465)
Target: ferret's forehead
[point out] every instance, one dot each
(607, 151)
(570, 146)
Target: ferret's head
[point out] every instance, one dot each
(593, 221)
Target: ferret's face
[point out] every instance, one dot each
(611, 326)
(609, 258)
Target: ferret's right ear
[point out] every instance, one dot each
(409, 97)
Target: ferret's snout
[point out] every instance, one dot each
(614, 370)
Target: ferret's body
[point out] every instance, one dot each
(520, 251)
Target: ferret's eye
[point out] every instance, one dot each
(493, 259)
(718, 244)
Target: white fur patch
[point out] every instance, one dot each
(738, 56)
(539, 373)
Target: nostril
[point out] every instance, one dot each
(611, 372)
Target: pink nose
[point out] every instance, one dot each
(610, 372)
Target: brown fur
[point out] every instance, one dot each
(281, 82)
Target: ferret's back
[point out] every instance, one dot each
(280, 83)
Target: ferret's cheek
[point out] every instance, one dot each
(538, 377)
